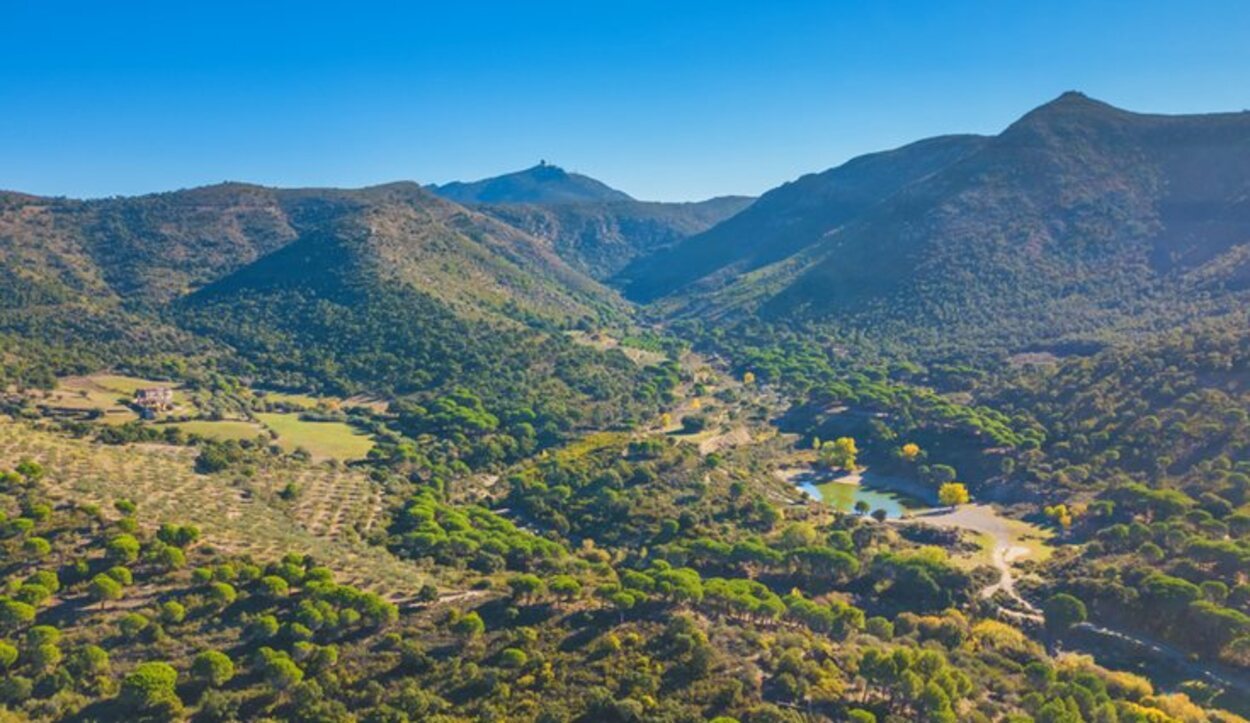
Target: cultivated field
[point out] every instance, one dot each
(331, 510)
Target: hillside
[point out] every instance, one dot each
(1078, 221)
(408, 295)
(789, 218)
(1145, 448)
(595, 228)
(92, 284)
(601, 238)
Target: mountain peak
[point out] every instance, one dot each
(1074, 104)
(544, 183)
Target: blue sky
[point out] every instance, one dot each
(665, 100)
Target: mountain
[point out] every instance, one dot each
(403, 293)
(543, 183)
(602, 238)
(789, 218)
(595, 228)
(1078, 221)
(225, 270)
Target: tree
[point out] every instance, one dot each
(150, 686)
(514, 658)
(121, 575)
(279, 670)
(274, 586)
(953, 494)
(45, 657)
(841, 453)
(910, 451)
(748, 378)
(8, 655)
(526, 586)
(91, 661)
(942, 473)
(427, 593)
(469, 625)
(566, 587)
(1062, 611)
(123, 549)
(213, 668)
(223, 593)
(14, 613)
(173, 612)
(104, 588)
(36, 547)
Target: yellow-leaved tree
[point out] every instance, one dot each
(953, 494)
(910, 451)
(840, 453)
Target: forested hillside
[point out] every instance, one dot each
(593, 227)
(790, 218)
(1079, 222)
(602, 238)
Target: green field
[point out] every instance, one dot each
(220, 430)
(332, 440)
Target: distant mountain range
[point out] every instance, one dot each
(1077, 221)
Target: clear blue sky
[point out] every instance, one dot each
(665, 100)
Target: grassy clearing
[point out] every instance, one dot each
(323, 440)
(332, 511)
(220, 430)
(125, 385)
(603, 342)
(983, 555)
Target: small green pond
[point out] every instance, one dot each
(876, 491)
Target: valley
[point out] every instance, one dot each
(952, 432)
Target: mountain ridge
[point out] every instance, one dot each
(1060, 226)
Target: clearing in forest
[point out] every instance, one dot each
(323, 440)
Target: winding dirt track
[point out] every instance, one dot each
(985, 520)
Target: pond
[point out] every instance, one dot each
(879, 492)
